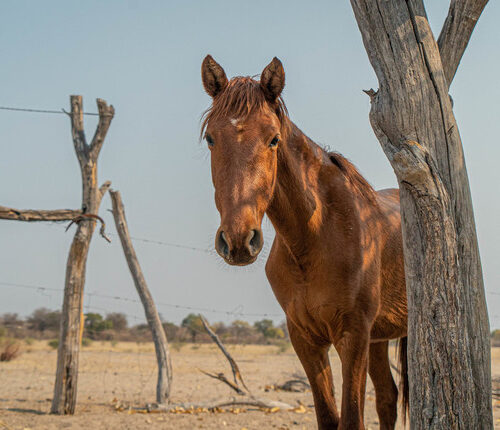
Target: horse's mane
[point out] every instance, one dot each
(242, 96)
(359, 183)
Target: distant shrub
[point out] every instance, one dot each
(177, 346)
(29, 341)
(86, 341)
(114, 343)
(283, 346)
(9, 350)
(3, 331)
(54, 344)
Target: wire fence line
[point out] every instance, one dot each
(152, 241)
(51, 111)
(145, 240)
(171, 244)
(236, 312)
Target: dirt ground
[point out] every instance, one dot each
(114, 378)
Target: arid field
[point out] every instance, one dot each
(117, 380)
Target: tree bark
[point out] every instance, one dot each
(164, 384)
(456, 32)
(412, 116)
(65, 389)
(38, 215)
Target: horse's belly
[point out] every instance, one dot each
(389, 326)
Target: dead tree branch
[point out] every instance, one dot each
(456, 33)
(84, 217)
(33, 215)
(221, 377)
(216, 404)
(234, 367)
(164, 383)
(247, 399)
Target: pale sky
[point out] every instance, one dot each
(144, 58)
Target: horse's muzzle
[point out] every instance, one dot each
(239, 249)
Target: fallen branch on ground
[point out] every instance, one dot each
(293, 385)
(245, 397)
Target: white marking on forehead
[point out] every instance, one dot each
(234, 121)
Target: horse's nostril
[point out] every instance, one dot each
(255, 242)
(221, 245)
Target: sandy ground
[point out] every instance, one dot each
(114, 378)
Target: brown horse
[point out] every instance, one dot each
(336, 264)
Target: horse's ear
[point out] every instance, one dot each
(272, 80)
(213, 76)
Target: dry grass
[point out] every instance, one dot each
(115, 376)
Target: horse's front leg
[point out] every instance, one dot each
(314, 359)
(353, 351)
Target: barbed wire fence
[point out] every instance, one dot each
(139, 369)
(108, 371)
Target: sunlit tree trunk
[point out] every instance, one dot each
(412, 116)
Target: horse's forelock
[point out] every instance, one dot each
(241, 97)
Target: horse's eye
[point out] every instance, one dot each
(209, 140)
(274, 142)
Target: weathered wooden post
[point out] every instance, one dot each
(412, 116)
(164, 384)
(65, 389)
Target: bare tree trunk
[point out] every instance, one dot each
(412, 116)
(164, 383)
(65, 389)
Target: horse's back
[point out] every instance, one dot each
(388, 198)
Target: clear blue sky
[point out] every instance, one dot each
(144, 58)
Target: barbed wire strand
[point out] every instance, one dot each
(42, 110)
(236, 312)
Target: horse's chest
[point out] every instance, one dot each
(310, 304)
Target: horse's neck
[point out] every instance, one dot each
(297, 209)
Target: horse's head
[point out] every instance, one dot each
(243, 129)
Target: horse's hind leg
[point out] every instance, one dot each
(386, 392)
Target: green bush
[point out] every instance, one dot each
(283, 346)
(177, 346)
(29, 341)
(54, 344)
(86, 341)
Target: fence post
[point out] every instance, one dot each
(164, 383)
(65, 389)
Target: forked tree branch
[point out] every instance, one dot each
(234, 367)
(221, 377)
(456, 33)
(106, 114)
